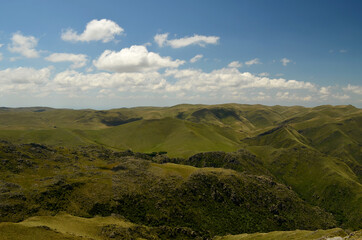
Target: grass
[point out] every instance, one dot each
(177, 137)
(183, 130)
(81, 227)
(173, 169)
(65, 226)
(13, 231)
(315, 151)
(289, 235)
(61, 226)
(91, 181)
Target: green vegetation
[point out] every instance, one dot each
(334, 234)
(186, 171)
(65, 226)
(90, 181)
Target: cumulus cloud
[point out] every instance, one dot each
(24, 45)
(283, 95)
(96, 30)
(1, 45)
(253, 61)
(341, 97)
(235, 64)
(13, 59)
(225, 84)
(23, 78)
(196, 58)
(134, 59)
(354, 89)
(324, 90)
(293, 97)
(201, 40)
(161, 39)
(263, 74)
(78, 60)
(221, 83)
(285, 61)
(71, 80)
(228, 79)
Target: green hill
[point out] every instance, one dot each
(315, 153)
(85, 182)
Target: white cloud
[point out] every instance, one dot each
(324, 90)
(25, 45)
(196, 58)
(263, 74)
(225, 84)
(1, 45)
(1, 56)
(343, 51)
(71, 80)
(134, 59)
(13, 59)
(96, 30)
(253, 61)
(228, 79)
(282, 95)
(341, 97)
(354, 89)
(235, 64)
(285, 61)
(220, 83)
(78, 60)
(307, 98)
(162, 40)
(293, 97)
(22, 78)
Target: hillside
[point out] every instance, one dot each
(65, 226)
(39, 180)
(199, 167)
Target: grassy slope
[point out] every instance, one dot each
(61, 226)
(320, 179)
(179, 138)
(65, 226)
(311, 149)
(336, 234)
(331, 130)
(13, 231)
(37, 180)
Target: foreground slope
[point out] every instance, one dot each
(331, 234)
(65, 226)
(39, 180)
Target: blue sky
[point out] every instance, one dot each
(109, 54)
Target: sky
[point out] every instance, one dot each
(112, 54)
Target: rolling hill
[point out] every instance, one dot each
(312, 155)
